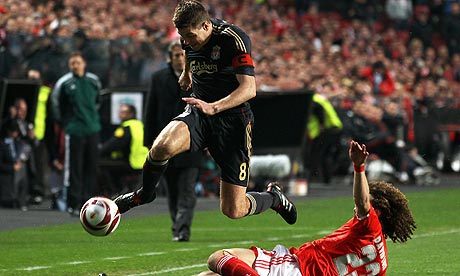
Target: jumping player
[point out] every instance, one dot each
(220, 71)
(357, 248)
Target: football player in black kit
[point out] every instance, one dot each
(220, 72)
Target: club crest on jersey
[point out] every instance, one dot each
(215, 53)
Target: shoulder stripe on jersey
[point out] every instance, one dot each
(94, 78)
(92, 75)
(64, 79)
(239, 41)
(217, 29)
(226, 29)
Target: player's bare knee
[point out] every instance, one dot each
(233, 213)
(214, 259)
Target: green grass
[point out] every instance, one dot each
(142, 246)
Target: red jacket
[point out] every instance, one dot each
(386, 87)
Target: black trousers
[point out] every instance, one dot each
(321, 155)
(116, 177)
(80, 170)
(181, 198)
(38, 186)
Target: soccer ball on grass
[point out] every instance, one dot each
(99, 216)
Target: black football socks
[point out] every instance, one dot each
(260, 202)
(151, 173)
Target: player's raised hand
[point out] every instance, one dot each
(185, 81)
(205, 107)
(358, 153)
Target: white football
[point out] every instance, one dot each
(99, 216)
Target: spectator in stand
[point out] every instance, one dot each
(421, 27)
(436, 12)
(369, 127)
(30, 141)
(380, 78)
(13, 188)
(453, 73)
(75, 100)
(364, 10)
(8, 164)
(427, 137)
(399, 12)
(451, 28)
(13, 173)
(6, 58)
(394, 120)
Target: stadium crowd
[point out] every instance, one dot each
(375, 59)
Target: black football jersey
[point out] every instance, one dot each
(215, 65)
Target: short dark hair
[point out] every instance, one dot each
(131, 109)
(18, 101)
(378, 65)
(76, 54)
(189, 13)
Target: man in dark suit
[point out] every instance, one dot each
(164, 102)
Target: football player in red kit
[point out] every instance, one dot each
(357, 248)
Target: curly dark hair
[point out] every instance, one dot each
(395, 217)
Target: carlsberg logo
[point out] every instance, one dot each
(200, 68)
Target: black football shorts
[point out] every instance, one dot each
(227, 136)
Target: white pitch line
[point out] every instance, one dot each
(324, 232)
(186, 249)
(151, 253)
(230, 243)
(300, 236)
(76, 263)
(451, 231)
(117, 258)
(30, 268)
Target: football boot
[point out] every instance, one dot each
(133, 199)
(285, 208)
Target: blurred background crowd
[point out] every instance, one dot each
(390, 68)
(295, 42)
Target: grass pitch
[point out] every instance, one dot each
(143, 246)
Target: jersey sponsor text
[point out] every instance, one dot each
(199, 68)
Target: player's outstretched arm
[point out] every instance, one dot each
(245, 91)
(358, 155)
